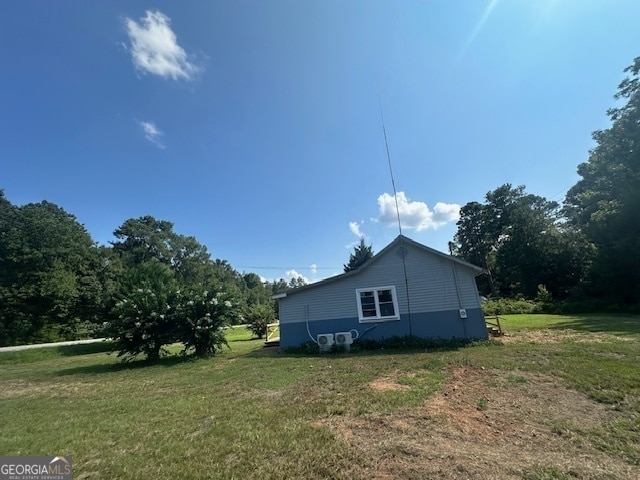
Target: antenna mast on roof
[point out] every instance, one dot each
(402, 252)
(393, 182)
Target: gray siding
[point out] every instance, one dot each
(431, 280)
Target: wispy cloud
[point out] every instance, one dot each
(355, 229)
(154, 47)
(416, 215)
(152, 133)
(313, 268)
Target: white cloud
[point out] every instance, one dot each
(289, 274)
(154, 47)
(416, 215)
(152, 133)
(355, 229)
(314, 269)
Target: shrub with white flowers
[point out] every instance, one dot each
(155, 313)
(143, 323)
(201, 316)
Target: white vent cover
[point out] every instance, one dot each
(325, 341)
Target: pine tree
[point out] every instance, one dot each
(361, 254)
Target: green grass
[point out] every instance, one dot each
(250, 412)
(541, 472)
(617, 324)
(41, 354)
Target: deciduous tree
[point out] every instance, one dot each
(605, 202)
(521, 239)
(48, 279)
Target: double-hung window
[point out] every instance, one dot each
(377, 304)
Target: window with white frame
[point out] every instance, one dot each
(377, 304)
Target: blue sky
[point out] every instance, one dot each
(255, 125)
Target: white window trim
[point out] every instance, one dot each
(378, 318)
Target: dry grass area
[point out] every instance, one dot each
(486, 424)
(549, 336)
(22, 388)
(492, 424)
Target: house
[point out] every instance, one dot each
(405, 289)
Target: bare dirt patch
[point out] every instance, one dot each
(487, 424)
(388, 383)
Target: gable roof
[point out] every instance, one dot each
(397, 242)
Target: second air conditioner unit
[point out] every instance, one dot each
(325, 341)
(344, 339)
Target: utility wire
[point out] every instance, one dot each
(286, 268)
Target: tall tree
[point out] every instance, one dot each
(605, 202)
(255, 291)
(476, 238)
(8, 326)
(48, 279)
(145, 238)
(361, 254)
(520, 239)
(191, 261)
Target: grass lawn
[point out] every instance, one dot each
(558, 398)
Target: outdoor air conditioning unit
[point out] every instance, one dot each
(325, 341)
(344, 339)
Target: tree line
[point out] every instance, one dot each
(149, 287)
(585, 251)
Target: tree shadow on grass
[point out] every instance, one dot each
(168, 361)
(84, 349)
(607, 323)
(264, 351)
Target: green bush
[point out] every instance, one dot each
(509, 306)
(307, 348)
(409, 342)
(258, 327)
(395, 343)
(591, 305)
(258, 317)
